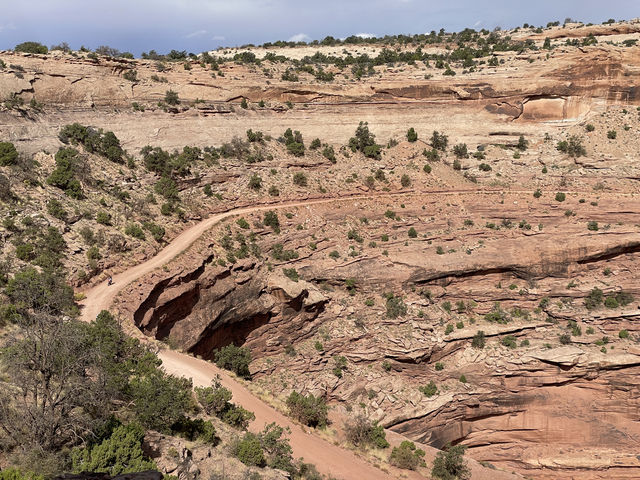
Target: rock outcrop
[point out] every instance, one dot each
(209, 306)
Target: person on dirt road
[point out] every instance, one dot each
(110, 280)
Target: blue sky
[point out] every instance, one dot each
(198, 25)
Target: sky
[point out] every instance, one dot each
(199, 25)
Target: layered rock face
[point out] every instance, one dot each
(210, 306)
(544, 409)
(566, 86)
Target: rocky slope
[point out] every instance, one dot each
(412, 258)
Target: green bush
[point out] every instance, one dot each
(309, 410)
(329, 153)
(120, 453)
(31, 47)
(255, 182)
(271, 220)
(63, 175)
(573, 147)
(450, 464)
(564, 339)
(103, 218)
(278, 252)
(594, 299)
(522, 143)
(55, 209)
(611, 302)
(364, 142)
(412, 136)
(157, 232)
(11, 473)
(134, 230)
(560, 197)
(291, 274)
(363, 433)
(395, 307)
(624, 334)
(432, 155)
(300, 179)
(439, 141)
(294, 142)
(497, 315)
(235, 359)
(94, 141)
(429, 390)
(509, 341)
(267, 448)
(8, 154)
(249, 450)
(160, 400)
(407, 456)
(612, 134)
(405, 180)
(171, 98)
(460, 151)
(413, 233)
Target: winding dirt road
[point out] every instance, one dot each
(328, 458)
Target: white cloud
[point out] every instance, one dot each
(478, 23)
(8, 26)
(300, 37)
(365, 35)
(197, 33)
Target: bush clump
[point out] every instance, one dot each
(271, 220)
(269, 448)
(365, 142)
(98, 141)
(294, 142)
(364, 433)
(429, 390)
(234, 359)
(8, 154)
(572, 147)
(63, 176)
(216, 401)
(594, 299)
(395, 306)
(31, 47)
(407, 456)
(450, 464)
(121, 452)
(460, 150)
(439, 141)
(309, 410)
(300, 179)
(171, 98)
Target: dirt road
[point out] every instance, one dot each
(328, 458)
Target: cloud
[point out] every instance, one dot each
(8, 26)
(300, 37)
(365, 35)
(478, 23)
(197, 33)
